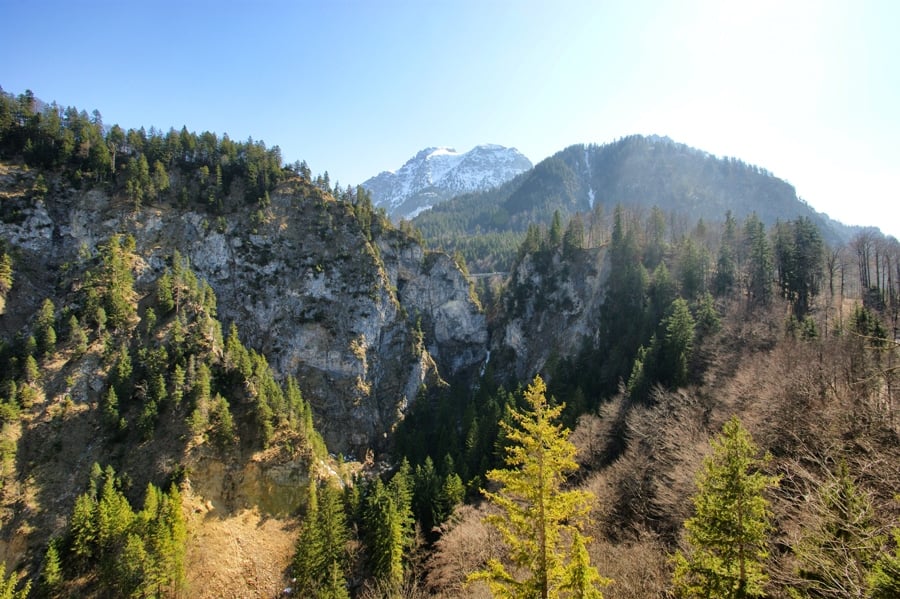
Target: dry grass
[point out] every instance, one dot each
(240, 555)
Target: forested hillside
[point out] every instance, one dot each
(221, 376)
(636, 172)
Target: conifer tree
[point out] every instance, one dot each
(46, 334)
(77, 336)
(726, 538)
(51, 570)
(8, 585)
(384, 531)
(760, 266)
(884, 580)
(539, 521)
(676, 345)
(320, 558)
(308, 556)
(840, 545)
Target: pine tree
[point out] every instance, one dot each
(676, 345)
(884, 580)
(77, 337)
(51, 570)
(46, 334)
(840, 545)
(309, 554)
(83, 527)
(539, 521)
(8, 585)
(335, 585)
(384, 527)
(760, 267)
(320, 559)
(726, 538)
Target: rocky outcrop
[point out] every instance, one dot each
(551, 298)
(362, 318)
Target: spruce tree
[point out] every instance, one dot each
(384, 527)
(8, 585)
(539, 521)
(51, 570)
(727, 536)
(840, 544)
(884, 580)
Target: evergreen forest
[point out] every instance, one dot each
(662, 405)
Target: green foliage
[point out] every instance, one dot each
(384, 519)
(667, 358)
(693, 267)
(726, 539)
(726, 267)
(761, 269)
(77, 337)
(51, 570)
(884, 581)
(540, 521)
(321, 560)
(840, 542)
(110, 297)
(30, 371)
(677, 345)
(44, 331)
(6, 273)
(85, 150)
(708, 320)
(135, 554)
(9, 583)
(799, 257)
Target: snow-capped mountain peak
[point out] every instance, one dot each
(439, 173)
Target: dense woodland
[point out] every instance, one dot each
(730, 430)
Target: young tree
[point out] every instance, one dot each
(539, 521)
(760, 267)
(726, 537)
(885, 577)
(840, 544)
(384, 531)
(51, 570)
(8, 585)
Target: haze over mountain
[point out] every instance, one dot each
(636, 172)
(434, 175)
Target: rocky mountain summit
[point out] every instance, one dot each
(437, 174)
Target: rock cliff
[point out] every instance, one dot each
(552, 298)
(363, 316)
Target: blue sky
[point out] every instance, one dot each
(808, 90)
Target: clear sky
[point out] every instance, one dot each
(808, 90)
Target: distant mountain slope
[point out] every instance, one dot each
(634, 171)
(437, 174)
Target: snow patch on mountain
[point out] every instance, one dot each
(437, 174)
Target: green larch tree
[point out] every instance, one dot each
(539, 520)
(726, 539)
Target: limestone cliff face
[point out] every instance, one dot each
(552, 306)
(363, 318)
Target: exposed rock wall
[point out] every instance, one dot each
(362, 323)
(552, 306)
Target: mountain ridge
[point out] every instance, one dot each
(635, 171)
(437, 173)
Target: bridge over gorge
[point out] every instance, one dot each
(486, 275)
